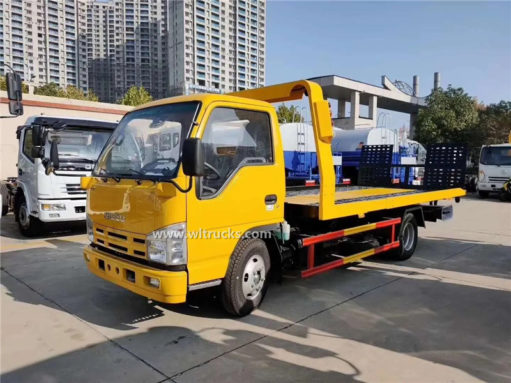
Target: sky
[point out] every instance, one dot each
(469, 43)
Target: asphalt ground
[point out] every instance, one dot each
(443, 315)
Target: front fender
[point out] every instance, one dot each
(18, 195)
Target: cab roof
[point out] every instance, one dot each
(75, 122)
(204, 98)
(497, 145)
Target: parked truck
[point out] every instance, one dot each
(217, 212)
(494, 169)
(44, 194)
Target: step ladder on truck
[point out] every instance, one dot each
(217, 213)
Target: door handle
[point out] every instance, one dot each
(270, 199)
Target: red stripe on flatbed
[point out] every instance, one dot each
(341, 233)
(340, 262)
(387, 223)
(322, 238)
(322, 268)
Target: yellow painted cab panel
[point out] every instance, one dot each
(240, 206)
(130, 207)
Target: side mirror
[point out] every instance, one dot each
(15, 108)
(13, 81)
(193, 157)
(37, 135)
(14, 93)
(53, 163)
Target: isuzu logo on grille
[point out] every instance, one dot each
(114, 217)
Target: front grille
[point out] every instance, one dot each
(498, 179)
(74, 189)
(123, 242)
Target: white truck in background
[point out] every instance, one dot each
(494, 168)
(43, 194)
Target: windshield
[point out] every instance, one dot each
(147, 143)
(496, 155)
(78, 145)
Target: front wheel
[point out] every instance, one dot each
(28, 225)
(408, 237)
(246, 281)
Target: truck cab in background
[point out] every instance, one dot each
(494, 168)
(53, 154)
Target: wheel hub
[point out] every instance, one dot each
(253, 277)
(408, 237)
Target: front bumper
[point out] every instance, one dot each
(75, 210)
(135, 277)
(490, 186)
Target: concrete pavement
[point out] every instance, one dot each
(441, 316)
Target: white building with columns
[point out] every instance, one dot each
(351, 94)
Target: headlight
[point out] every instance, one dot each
(168, 245)
(90, 228)
(53, 206)
(481, 176)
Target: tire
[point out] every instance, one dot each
(29, 226)
(408, 238)
(246, 280)
(5, 198)
(483, 194)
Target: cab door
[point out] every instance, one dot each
(243, 189)
(27, 168)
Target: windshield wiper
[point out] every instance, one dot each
(70, 157)
(105, 176)
(137, 172)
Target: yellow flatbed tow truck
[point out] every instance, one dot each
(190, 193)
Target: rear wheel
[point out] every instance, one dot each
(246, 281)
(28, 225)
(483, 194)
(408, 237)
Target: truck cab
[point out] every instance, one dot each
(494, 168)
(44, 195)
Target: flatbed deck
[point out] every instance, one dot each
(360, 200)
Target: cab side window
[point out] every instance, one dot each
(233, 138)
(27, 144)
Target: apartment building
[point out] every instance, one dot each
(216, 45)
(100, 26)
(169, 47)
(40, 40)
(127, 46)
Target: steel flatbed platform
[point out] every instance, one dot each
(361, 200)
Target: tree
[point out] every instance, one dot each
(496, 122)
(291, 114)
(78, 94)
(51, 89)
(451, 115)
(91, 96)
(136, 96)
(74, 92)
